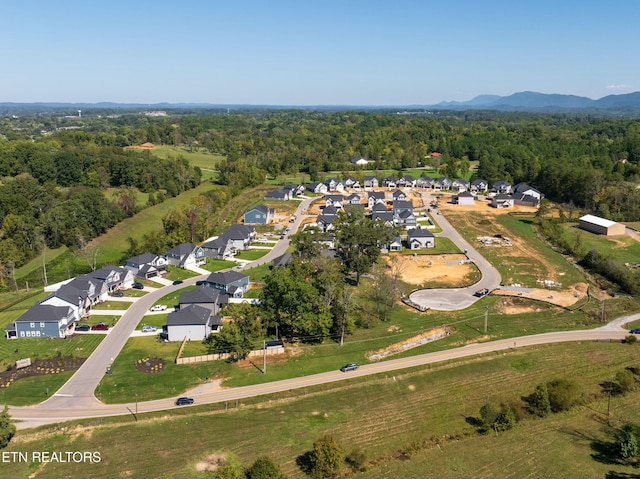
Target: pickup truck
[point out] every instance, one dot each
(481, 292)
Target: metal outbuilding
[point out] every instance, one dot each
(601, 226)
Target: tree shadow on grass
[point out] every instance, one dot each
(621, 475)
(605, 452)
(304, 463)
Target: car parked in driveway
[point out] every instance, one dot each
(183, 401)
(137, 285)
(159, 307)
(349, 367)
(83, 327)
(100, 327)
(117, 294)
(635, 331)
(147, 328)
(177, 281)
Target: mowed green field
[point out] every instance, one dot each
(201, 158)
(410, 424)
(622, 248)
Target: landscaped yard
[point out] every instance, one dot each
(33, 390)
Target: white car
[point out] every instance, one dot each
(147, 328)
(159, 307)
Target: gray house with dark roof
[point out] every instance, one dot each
(95, 289)
(231, 282)
(43, 321)
(193, 322)
(114, 277)
(70, 296)
(278, 195)
(185, 255)
(147, 265)
(218, 248)
(203, 296)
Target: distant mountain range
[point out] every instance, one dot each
(526, 101)
(533, 101)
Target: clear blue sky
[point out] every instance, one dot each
(315, 52)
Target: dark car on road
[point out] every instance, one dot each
(83, 327)
(177, 281)
(184, 401)
(100, 327)
(635, 331)
(349, 367)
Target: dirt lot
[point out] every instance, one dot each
(560, 298)
(483, 207)
(448, 269)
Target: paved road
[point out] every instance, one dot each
(51, 413)
(451, 299)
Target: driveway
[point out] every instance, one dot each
(451, 299)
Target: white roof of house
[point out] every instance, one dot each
(596, 220)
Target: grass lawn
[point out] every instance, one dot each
(252, 254)
(214, 265)
(171, 299)
(178, 273)
(410, 424)
(258, 273)
(109, 305)
(126, 382)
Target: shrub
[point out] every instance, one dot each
(563, 395)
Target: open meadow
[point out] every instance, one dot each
(414, 423)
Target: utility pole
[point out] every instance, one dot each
(603, 300)
(264, 357)
(486, 318)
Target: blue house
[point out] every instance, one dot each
(260, 214)
(43, 321)
(231, 282)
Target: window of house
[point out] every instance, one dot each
(41, 324)
(38, 334)
(32, 325)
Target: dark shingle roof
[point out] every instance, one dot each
(193, 314)
(201, 294)
(225, 277)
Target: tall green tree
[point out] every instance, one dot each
(360, 239)
(293, 303)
